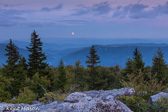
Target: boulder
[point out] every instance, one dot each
(88, 101)
(156, 97)
(95, 105)
(76, 97)
(14, 99)
(115, 92)
(36, 102)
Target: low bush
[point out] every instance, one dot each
(160, 106)
(50, 97)
(144, 84)
(25, 96)
(134, 103)
(138, 104)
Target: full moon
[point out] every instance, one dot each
(73, 33)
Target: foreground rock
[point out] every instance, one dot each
(156, 97)
(89, 101)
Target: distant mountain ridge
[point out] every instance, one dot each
(110, 55)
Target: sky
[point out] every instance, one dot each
(86, 18)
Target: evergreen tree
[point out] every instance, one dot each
(129, 67)
(138, 64)
(93, 59)
(159, 66)
(39, 84)
(61, 80)
(23, 63)
(92, 62)
(9, 70)
(13, 57)
(79, 74)
(20, 74)
(37, 57)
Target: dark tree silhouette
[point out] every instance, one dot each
(36, 60)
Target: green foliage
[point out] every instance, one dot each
(140, 84)
(92, 61)
(37, 57)
(79, 74)
(26, 96)
(38, 84)
(134, 103)
(4, 83)
(138, 64)
(9, 70)
(61, 79)
(161, 105)
(137, 59)
(13, 56)
(135, 65)
(138, 104)
(108, 78)
(50, 97)
(20, 73)
(129, 66)
(159, 66)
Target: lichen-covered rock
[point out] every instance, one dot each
(94, 105)
(88, 101)
(76, 97)
(156, 97)
(112, 105)
(115, 92)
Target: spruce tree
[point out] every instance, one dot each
(36, 60)
(23, 63)
(138, 64)
(159, 66)
(92, 62)
(20, 74)
(61, 79)
(79, 74)
(93, 59)
(10, 68)
(129, 67)
(13, 57)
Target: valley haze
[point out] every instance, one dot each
(74, 49)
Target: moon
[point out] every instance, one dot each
(73, 33)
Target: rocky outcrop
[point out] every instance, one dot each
(88, 101)
(115, 92)
(156, 97)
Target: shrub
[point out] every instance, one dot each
(134, 103)
(143, 82)
(160, 106)
(50, 97)
(26, 96)
(138, 104)
(4, 86)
